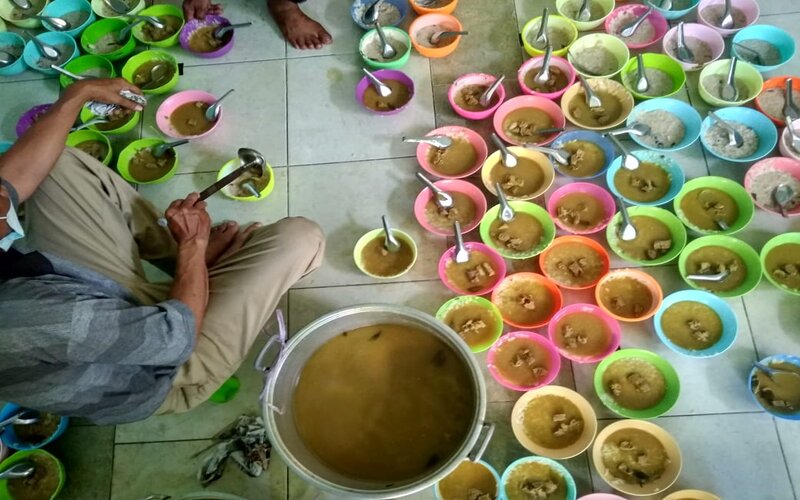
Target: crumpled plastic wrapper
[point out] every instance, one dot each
(103, 109)
(245, 442)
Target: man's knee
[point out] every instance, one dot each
(301, 233)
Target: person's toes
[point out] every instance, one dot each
(325, 38)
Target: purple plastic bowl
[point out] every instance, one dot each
(389, 74)
(193, 25)
(28, 118)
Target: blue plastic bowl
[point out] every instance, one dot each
(782, 40)
(8, 38)
(672, 14)
(778, 358)
(674, 171)
(588, 136)
(32, 55)
(402, 6)
(5, 146)
(685, 113)
(10, 438)
(438, 496)
(730, 326)
(763, 127)
(62, 7)
(571, 489)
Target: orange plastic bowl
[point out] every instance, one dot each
(447, 22)
(777, 82)
(640, 276)
(536, 280)
(561, 240)
(446, 9)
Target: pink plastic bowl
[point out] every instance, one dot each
(777, 163)
(495, 258)
(611, 324)
(453, 131)
(748, 7)
(658, 21)
(593, 190)
(602, 496)
(702, 33)
(389, 74)
(451, 186)
(536, 63)
(193, 25)
(528, 101)
(553, 359)
(475, 79)
(28, 118)
(172, 102)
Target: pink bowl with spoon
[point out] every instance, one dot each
(173, 102)
(475, 79)
(656, 20)
(535, 64)
(450, 186)
(475, 139)
(593, 190)
(495, 260)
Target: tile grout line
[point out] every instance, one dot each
(783, 454)
(749, 325)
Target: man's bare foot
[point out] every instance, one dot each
(221, 238)
(298, 29)
(239, 241)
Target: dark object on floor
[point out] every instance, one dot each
(245, 442)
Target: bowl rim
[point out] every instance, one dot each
(371, 235)
(541, 341)
(736, 246)
(660, 214)
(526, 207)
(615, 330)
(448, 305)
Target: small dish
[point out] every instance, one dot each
(570, 8)
(534, 104)
(727, 320)
(540, 215)
(769, 267)
(762, 177)
(193, 25)
(778, 359)
(782, 41)
(532, 67)
(528, 159)
(462, 482)
(603, 199)
(425, 207)
(603, 350)
(62, 7)
(748, 10)
(699, 38)
(426, 25)
(573, 249)
(126, 156)
(602, 45)
(771, 99)
(605, 146)
(748, 78)
(448, 267)
(120, 128)
(493, 329)
(161, 10)
(65, 43)
(404, 238)
(556, 25)
(527, 300)
(370, 48)
(15, 442)
(150, 57)
(676, 231)
(762, 126)
(9, 39)
(605, 295)
(99, 30)
(56, 468)
(80, 136)
(387, 74)
(175, 101)
(658, 25)
(673, 170)
(400, 10)
(740, 196)
(454, 132)
(576, 111)
(503, 353)
(688, 116)
(660, 62)
(476, 79)
(558, 474)
(87, 64)
(229, 166)
(748, 256)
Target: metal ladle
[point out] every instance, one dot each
(6, 59)
(630, 29)
(729, 91)
(437, 141)
(727, 17)
(506, 212)
(56, 22)
(541, 39)
(584, 12)
(591, 98)
(782, 195)
(629, 162)
(642, 85)
(685, 54)
(19, 470)
(789, 107)
(437, 36)
(94, 121)
(462, 254)
(383, 89)
(161, 149)
(486, 97)
(754, 54)
(387, 51)
(734, 137)
(212, 112)
(443, 200)
(371, 14)
(47, 51)
(627, 231)
(389, 242)
(561, 156)
(507, 158)
(543, 75)
(714, 278)
(223, 30)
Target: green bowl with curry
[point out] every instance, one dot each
(714, 254)
(659, 239)
(706, 205)
(780, 259)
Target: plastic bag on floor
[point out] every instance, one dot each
(245, 442)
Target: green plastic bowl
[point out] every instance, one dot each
(607, 5)
(23, 455)
(394, 35)
(525, 207)
(151, 55)
(666, 369)
(156, 11)
(609, 42)
(456, 302)
(227, 391)
(97, 30)
(745, 252)
(86, 63)
(559, 22)
(735, 190)
(126, 155)
(87, 115)
(745, 72)
(676, 229)
(655, 61)
(80, 136)
(230, 165)
(778, 240)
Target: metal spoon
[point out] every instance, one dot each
(390, 242)
(591, 98)
(212, 112)
(486, 97)
(19, 470)
(782, 195)
(23, 416)
(157, 75)
(6, 59)
(642, 85)
(635, 128)
(22, 4)
(506, 212)
(94, 121)
(161, 149)
(437, 141)
(383, 89)
(462, 254)
(627, 231)
(251, 188)
(789, 107)
(507, 158)
(122, 35)
(716, 278)
(371, 14)
(561, 156)
(437, 37)
(442, 199)
(727, 17)
(47, 51)
(665, 4)
(772, 373)
(56, 22)
(630, 29)
(223, 30)
(685, 54)
(629, 162)
(544, 73)
(734, 137)
(541, 39)
(69, 73)
(387, 51)
(584, 13)
(119, 6)
(754, 55)
(719, 222)
(794, 139)
(729, 91)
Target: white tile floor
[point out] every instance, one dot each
(343, 167)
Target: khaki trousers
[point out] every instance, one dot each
(85, 213)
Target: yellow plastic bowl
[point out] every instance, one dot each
(607, 6)
(612, 87)
(235, 163)
(557, 22)
(375, 233)
(538, 158)
(6, 7)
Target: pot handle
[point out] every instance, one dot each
(280, 339)
(476, 454)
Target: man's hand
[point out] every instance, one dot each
(103, 90)
(188, 221)
(198, 9)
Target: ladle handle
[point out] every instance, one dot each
(487, 428)
(225, 180)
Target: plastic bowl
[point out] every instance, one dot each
(776, 241)
(447, 22)
(642, 277)
(102, 10)
(32, 55)
(481, 150)
(87, 115)
(601, 496)
(157, 11)
(550, 351)
(656, 20)
(11, 439)
(371, 235)
(613, 327)
(746, 73)
(587, 414)
(457, 302)
(7, 39)
(593, 190)
(691, 495)
(607, 5)
(535, 64)
(475, 79)
(674, 171)
(701, 32)
(571, 492)
(85, 63)
(667, 479)
(777, 82)
(28, 118)
(450, 186)
(778, 358)
(497, 263)
(98, 30)
(531, 28)
(6, 7)
(673, 14)
(587, 136)
(562, 240)
(389, 74)
(127, 154)
(193, 25)
(437, 494)
(80, 136)
(785, 142)
(230, 165)
(538, 158)
(445, 9)
(147, 56)
(744, 202)
(761, 125)
(782, 40)
(684, 112)
(528, 101)
(655, 61)
(522, 207)
(358, 8)
(396, 35)
(26, 455)
(174, 101)
(612, 87)
(611, 43)
(674, 225)
(726, 315)
(749, 8)
(775, 164)
(750, 257)
(673, 387)
(62, 7)
(528, 279)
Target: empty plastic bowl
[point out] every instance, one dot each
(518, 103)
(63, 7)
(471, 300)
(379, 233)
(445, 22)
(776, 241)
(173, 102)
(483, 80)
(61, 41)
(747, 8)
(700, 32)
(746, 75)
(475, 139)
(751, 259)
(387, 74)
(674, 172)
(762, 195)
(612, 44)
(533, 66)
(721, 308)
(519, 207)
(743, 200)
(9, 39)
(688, 116)
(554, 23)
(99, 29)
(359, 7)
(571, 489)
(518, 283)
(426, 199)
(614, 24)
(758, 122)
(612, 326)
(495, 261)
(604, 85)
(193, 25)
(653, 287)
(659, 62)
(769, 360)
(539, 161)
(569, 9)
(548, 356)
(13, 441)
(598, 140)
(593, 190)
(676, 231)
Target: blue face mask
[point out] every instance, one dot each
(16, 229)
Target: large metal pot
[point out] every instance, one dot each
(277, 399)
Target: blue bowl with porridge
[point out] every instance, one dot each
(765, 47)
(65, 44)
(679, 8)
(13, 44)
(759, 135)
(674, 124)
(390, 12)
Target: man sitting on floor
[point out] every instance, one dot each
(82, 332)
